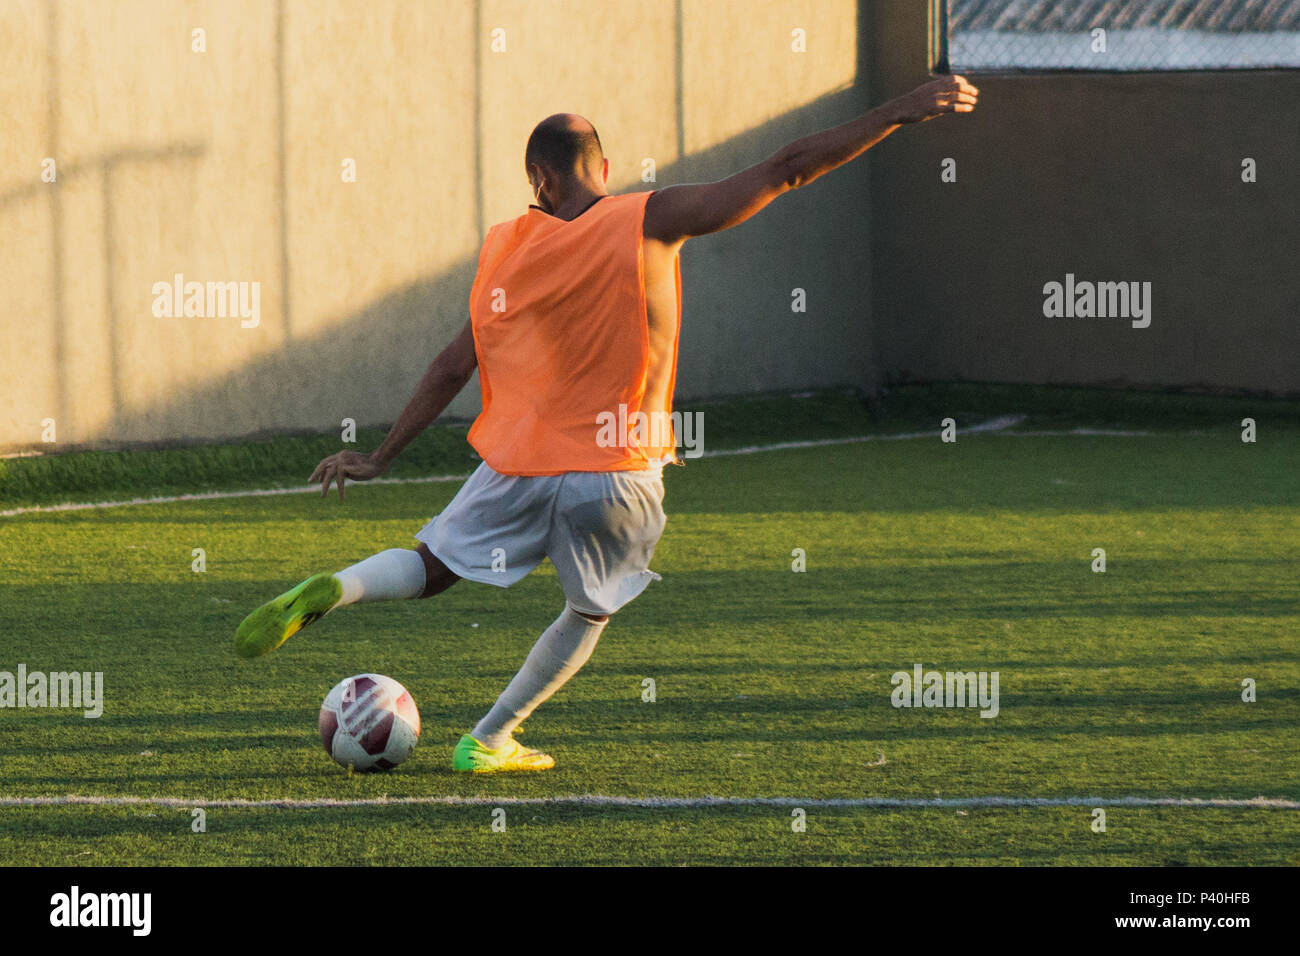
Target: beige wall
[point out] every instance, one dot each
(225, 166)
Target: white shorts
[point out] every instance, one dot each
(598, 528)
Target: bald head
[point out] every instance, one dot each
(567, 146)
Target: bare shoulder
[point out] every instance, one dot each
(677, 213)
(662, 212)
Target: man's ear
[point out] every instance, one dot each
(605, 174)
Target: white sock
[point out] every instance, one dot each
(558, 654)
(392, 575)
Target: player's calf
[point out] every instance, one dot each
(437, 576)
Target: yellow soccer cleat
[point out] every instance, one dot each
(278, 620)
(470, 756)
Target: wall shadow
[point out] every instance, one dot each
(382, 349)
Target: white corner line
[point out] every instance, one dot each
(661, 803)
(215, 496)
(999, 425)
(992, 425)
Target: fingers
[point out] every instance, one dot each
(954, 90)
(957, 101)
(334, 470)
(327, 473)
(326, 464)
(964, 85)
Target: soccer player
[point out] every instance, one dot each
(573, 325)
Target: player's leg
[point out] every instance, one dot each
(558, 654)
(393, 575)
(489, 513)
(601, 541)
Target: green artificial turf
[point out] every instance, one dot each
(973, 556)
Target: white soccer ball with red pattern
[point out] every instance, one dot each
(369, 722)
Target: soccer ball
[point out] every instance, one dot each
(369, 722)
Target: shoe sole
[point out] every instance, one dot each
(549, 766)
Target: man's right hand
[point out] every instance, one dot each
(947, 94)
(345, 464)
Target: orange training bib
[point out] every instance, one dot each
(560, 329)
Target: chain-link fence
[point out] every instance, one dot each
(1122, 34)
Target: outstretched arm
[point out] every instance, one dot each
(446, 376)
(679, 212)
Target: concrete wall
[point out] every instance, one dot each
(1108, 177)
(226, 165)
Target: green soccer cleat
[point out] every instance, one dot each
(276, 621)
(471, 756)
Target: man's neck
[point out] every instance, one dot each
(575, 205)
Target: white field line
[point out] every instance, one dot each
(215, 495)
(1001, 423)
(1105, 432)
(664, 803)
(992, 426)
